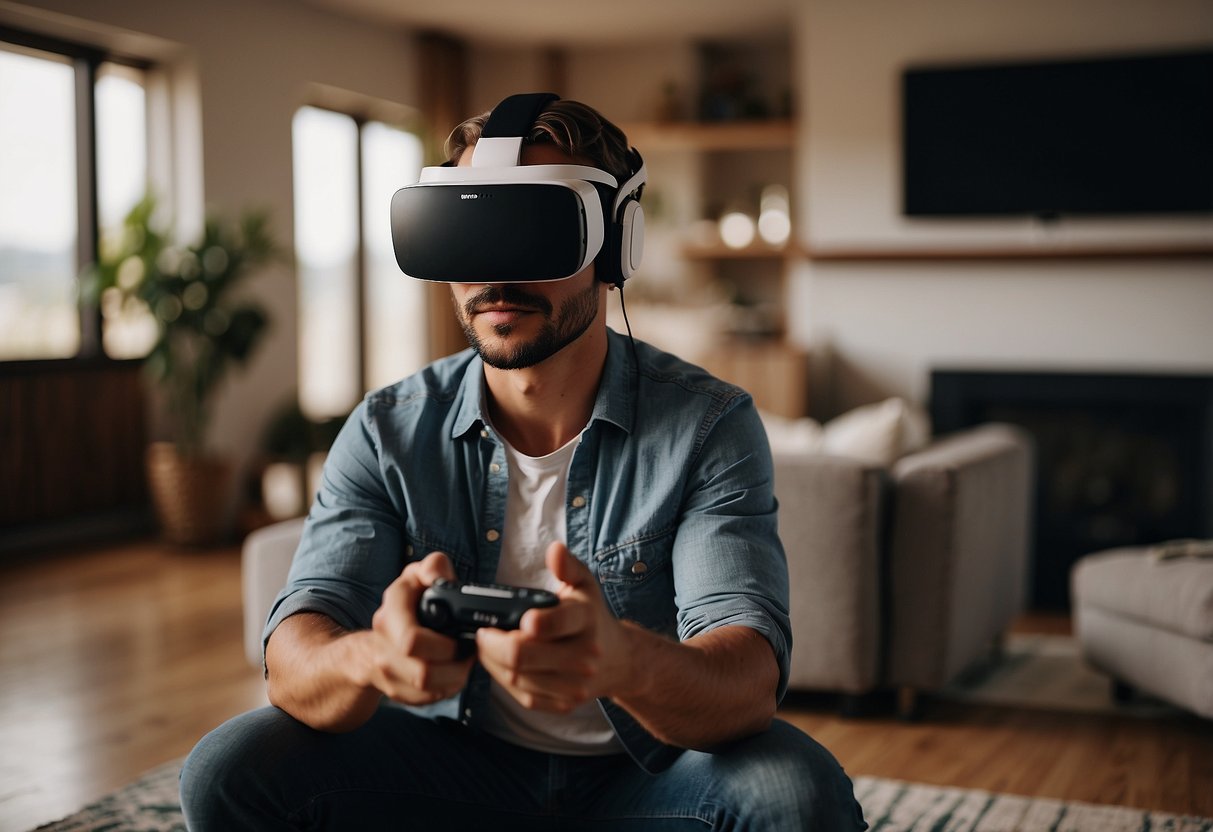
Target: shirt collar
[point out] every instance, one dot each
(468, 417)
(615, 402)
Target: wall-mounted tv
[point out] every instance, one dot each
(1117, 135)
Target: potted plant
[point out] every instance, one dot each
(204, 329)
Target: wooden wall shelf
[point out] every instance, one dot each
(1172, 251)
(774, 134)
(719, 251)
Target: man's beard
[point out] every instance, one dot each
(572, 319)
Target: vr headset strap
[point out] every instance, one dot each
(500, 142)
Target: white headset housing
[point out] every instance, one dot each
(499, 221)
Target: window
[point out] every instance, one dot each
(121, 183)
(362, 324)
(72, 136)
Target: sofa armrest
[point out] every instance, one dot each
(830, 521)
(265, 560)
(957, 551)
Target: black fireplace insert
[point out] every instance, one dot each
(1122, 459)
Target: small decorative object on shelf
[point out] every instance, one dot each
(774, 215)
(736, 228)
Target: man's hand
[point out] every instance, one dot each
(407, 662)
(565, 655)
(334, 679)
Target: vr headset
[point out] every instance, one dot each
(501, 222)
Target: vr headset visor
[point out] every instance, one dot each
(500, 224)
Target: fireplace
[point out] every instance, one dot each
(1121, 459)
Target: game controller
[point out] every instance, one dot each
(460, 609)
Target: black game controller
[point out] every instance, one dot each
(459, 610)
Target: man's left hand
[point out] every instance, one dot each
(562, 656)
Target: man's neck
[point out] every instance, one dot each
(540, 409)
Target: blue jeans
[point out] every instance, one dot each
(266, 771)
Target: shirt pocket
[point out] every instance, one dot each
(637, 579)
(420, 540)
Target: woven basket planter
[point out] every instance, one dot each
(190, 494)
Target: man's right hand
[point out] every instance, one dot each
(333, 679)
(408, 662)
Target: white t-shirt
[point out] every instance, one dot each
(534, 518)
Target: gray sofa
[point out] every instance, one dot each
(1147, 622)
(900, 577)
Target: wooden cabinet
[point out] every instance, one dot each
(775, 373)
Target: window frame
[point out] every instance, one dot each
(361, 118)
(86, 61)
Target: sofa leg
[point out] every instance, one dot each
(998, 649)
(852, 705)
(1122, 692)
(907, 704)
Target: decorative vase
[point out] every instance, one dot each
(190, 494)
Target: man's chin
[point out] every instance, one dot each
(511, 359)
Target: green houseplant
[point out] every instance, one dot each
(204, 329)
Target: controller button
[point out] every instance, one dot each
(578, 501)
(492, 535)
(639, 567)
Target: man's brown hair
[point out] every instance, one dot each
(576, 129)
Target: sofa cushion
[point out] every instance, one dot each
(879, 433)
(1175, 595)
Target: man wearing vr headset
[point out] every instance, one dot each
(555, 454)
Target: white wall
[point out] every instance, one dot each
(254, 62)
(877, 328)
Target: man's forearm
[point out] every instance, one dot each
(311, 664)
(715, 687)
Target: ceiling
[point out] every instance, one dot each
(577, 22)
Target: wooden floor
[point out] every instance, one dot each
(118, 658)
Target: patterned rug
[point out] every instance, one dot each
(894, 806)
(150, 805)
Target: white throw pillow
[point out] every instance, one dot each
(880, 433)
(792, 436)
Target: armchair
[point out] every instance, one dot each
(903, 576)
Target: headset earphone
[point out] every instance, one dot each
(500, 145)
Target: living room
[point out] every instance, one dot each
(862, 305)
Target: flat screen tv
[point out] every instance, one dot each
(1110, 136)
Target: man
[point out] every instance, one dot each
(554, 453)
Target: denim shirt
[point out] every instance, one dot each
(670, 504)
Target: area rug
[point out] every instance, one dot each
(1048, 672)
(150, 805)
(894, 806)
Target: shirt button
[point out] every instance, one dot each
(495, 468)
(492, 535)
(408, 550)
(639, 567)
(578, 501)
(484, 434)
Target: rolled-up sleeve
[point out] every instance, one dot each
(352, 543)
(729, 565)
